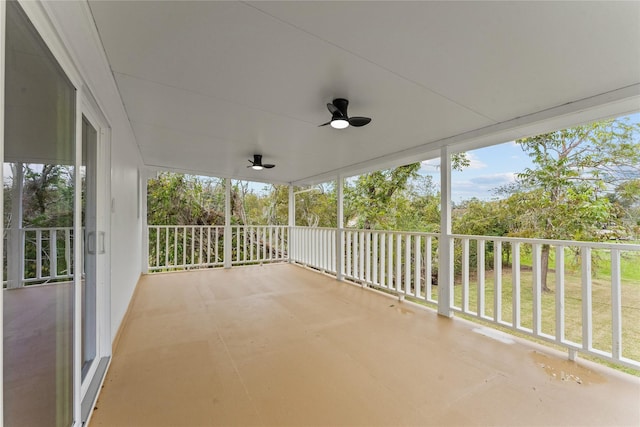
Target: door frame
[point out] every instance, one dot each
(89, 109)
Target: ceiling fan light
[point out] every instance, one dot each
(257, 167)
(339, 123)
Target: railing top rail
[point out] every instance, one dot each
(185, 225)
(554, 242)
(259, 225)
(302, 227)
(42, 228)
(213, 226)
(410, 233)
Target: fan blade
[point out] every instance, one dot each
(324, 124)
(268, 166)
(359, 121)
(333, 110)
(341, 104)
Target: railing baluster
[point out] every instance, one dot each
(356, 254)
(238, 230)
(193, 245)
(208, 245)
(374, 258)
(332, 248)
(361, 250)
(428, 291)
(270, 248)
(465, 275)
(537, 284)
(184, 245)
(53, 253)
(38, 254)
(327, 250)
(217, 235)
(480, 255)
(417, 279)
(407, 264)
(67, 253)
(398, 281)
(157, 247)
(497, 281)
(383, 259)
(587, 305)
(166, 247)
(368, 257)
(616, 306)
(559, 294)
(515, 284)
(244, 243)
(348, 254)
(390, 284)
(175, 246)
(317, 249)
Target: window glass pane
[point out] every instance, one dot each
(38, 179)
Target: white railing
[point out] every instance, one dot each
(400, 262)
(254, 244)
(38, 256)
(581, 313)
(591, 308)
(185, 246)
(180, 247)
(314, 247)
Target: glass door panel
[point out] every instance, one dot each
(39, 191)
(93, 243)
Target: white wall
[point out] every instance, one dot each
(75, 29)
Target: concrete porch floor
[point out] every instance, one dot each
(281, 345)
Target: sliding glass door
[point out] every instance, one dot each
(54, 242)
(39, 178)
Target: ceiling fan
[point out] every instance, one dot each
(256, 163)
(339, 118)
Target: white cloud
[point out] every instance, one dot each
(475, 162)
(495, 179)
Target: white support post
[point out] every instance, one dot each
(445, 246)
(15, 243)
(292, 221)
(144, 177)
(340, 231)
(227, 223)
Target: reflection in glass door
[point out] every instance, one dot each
(39, 190)
(93, 244)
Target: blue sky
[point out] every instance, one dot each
(490, 168)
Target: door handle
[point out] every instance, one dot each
(91, 243)
(102, 244)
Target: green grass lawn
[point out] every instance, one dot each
(601, 301)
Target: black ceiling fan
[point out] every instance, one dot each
(256, 163)
(339, 117)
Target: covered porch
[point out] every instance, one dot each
(283, 345)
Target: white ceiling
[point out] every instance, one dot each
(208, 84)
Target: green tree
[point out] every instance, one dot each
(562, 197)
(368, 200)
(177, 199)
